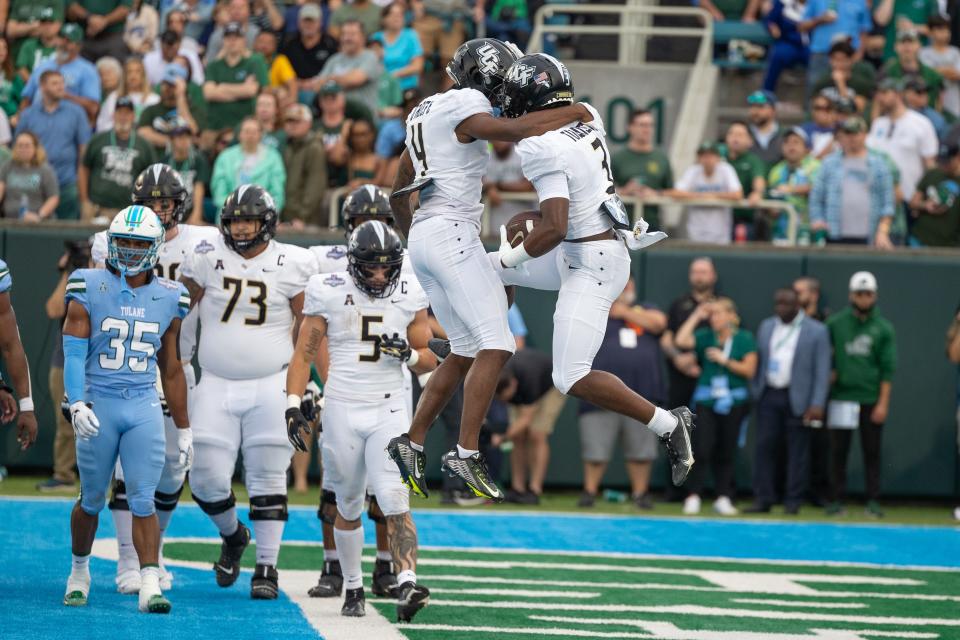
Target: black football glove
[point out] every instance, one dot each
(312, 402)
(395, 347)
(297, 425)
(65, 409)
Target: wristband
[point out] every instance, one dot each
(414, 358)
(515, 256)
(293, 401)
(26, 404)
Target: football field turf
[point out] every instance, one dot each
(518, 575)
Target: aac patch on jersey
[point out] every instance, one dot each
(336, 252)
(203, 247)
(334, 281)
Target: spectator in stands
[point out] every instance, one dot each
(63, 130)
(180, 100)
(111, 163)
(727, 356)
(365, 12)
(735, 10)
(306, 164)
(504, 175)
(176, 20)
(943, 58)
(233, 82)
(402, 52)
(825, 20)
(789, 43)
(353, 67)
(237, 13)
(26, 20)
(907, 63)
(111, 75)
(764, 128)
(903, 15)
(953, 355)
(864, 359)
(392, 133)
(140, 28)
(640, 169)
(134, 86)
(308, 51)
(630, 350)
(907, 137)
(509, 20)
(10, 85)
(198, 14)
(851, 79)
(248, 162)
(170, 46)
(916, 96)
(821, 126)
(936, 205)
(332, 125)
(790, 386)
(279, 70)
(28, 184)
(267, 113)
(791, 179)
(191, 165)
(82, 81)
(265, 15)
(852, 198)
(711, 177)
(103, 22)
(751, 173)
(42, 44)
(363, 164)
(534, 404)
(443, 25)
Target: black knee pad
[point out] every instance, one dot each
(167, 501)
(218, 507)
(327, 498)
(268, 507)
(118, 499)
(374, 512)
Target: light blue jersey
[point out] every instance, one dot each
(125, 325)
(5, 280)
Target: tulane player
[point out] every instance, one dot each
(121, 323)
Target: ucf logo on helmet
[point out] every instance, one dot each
(520, 74)
(489, 59)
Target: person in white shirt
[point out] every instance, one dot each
(711, 177)
(903, 134)
(504, 175)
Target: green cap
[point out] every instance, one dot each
(854, 124)
(709, 147)
(72, 32)
(330, 88)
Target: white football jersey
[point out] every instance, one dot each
(578, 152)
(355, 322)
(172, 253)
(245, 316)
(456, 168)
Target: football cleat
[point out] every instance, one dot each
(679, 449)
(440, 348)
(384, 580)
(354, 604)
(155, 603)
(166, 578)
(330, 584)
(228, 566)
(128, 581)
(411, 599)
(412, 464)
(473, 471)
(264, 583)
(151, 598)
(78, 586)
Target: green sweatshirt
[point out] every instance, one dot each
(864, 355)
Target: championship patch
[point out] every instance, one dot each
(334, 281)
(203, 247)
(337, 252)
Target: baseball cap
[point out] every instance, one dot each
(179, 126)
(907, 34)
(72, 32)
(125, 102)
(297, 113)
(800, 133)
(863, 281)
(891, 84)
(330, 87)
(310, 11)
(916, 83)
(170, 37)
(233, 29)
(854, 124)
(708, 147)
(174, 72)
(47, 14)
(762, 97)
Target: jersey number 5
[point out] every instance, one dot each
(140, 351)
(367, 336)
(259, 299)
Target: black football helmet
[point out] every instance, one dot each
(374, 244)
(161, 182)
(249, 202)
(535, 82)
(366, 203)
(481, 64)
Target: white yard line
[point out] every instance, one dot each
(519, 593)
(510, 632)
(800, 603)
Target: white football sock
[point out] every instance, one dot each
(663, 422)
(350, 546)
(384, 555)
(465, 453)
(123, 523)
(79, 579)
(407, 576)
(268, 534)
(416, 447)
(80, 564)
(149, 585)
(330, 555)
(227, 521)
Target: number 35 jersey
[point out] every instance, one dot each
(126, 325)
(577, 155)
(246, 323)
(355, 322)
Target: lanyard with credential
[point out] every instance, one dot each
(130, 142)
(794, 326)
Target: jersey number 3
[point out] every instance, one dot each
(140, 351)
(259, 299)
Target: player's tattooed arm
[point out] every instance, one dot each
(309, 341)
(402, 534)
(172, 380)
(418, 335)
(400, 204)
(483, 126)
(194, 289)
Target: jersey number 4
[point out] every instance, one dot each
(419, 150)
(259, 299)
(140, 351)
